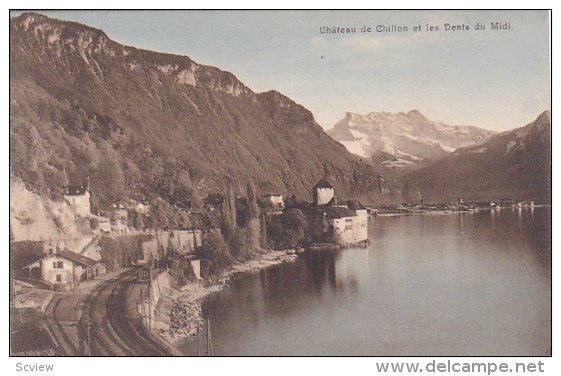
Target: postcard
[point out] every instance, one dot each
(281, 183)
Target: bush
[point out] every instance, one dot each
(180, 272)
(94, 223)
(215, 252)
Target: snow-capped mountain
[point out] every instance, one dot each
(403, 139)
(515, 164)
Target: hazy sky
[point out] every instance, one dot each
(494, 79)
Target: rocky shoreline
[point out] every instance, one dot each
(184, 308)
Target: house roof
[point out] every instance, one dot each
(76, 257)
(323, 183)
(339, 212)
(69, 255)
(332, 202)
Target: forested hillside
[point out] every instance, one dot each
(143, 124)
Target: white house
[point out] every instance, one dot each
(64, 269)
(274, 200)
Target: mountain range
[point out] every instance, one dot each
(403, 141)
(143, 124)
(511, 165)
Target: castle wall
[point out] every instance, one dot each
(185, 241)
(350, 230)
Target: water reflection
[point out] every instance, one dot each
(469, 284)
(321, 267)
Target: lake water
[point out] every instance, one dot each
(458, 284)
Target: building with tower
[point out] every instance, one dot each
(343, 224)
(323, 192)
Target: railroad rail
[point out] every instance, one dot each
(111, 330)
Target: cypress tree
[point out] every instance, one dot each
(254, 225)
(229, 213)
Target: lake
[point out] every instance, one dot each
(458, 284)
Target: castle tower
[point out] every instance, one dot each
(323, 192)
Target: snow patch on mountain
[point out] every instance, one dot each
(356, 147)
(409, 137)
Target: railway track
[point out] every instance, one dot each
(65, 342)
(53, 326)
(113, 332)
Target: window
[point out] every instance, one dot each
(57, 265)
(348, 227)
(59, 278)
(348, 220)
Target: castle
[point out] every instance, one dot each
(343, 224)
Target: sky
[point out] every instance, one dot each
(494, 79)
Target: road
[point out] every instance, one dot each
(116, 329)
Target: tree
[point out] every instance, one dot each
(406, 193)
(238, 244)
(252, 200)
(254, 223)
(197, 203)
(216, 252)
(56, 180)
(229, 216)
(210, 219)
(242, 212)
(139, 221)
(180, 272)
(160, 214)
(184, 221)
(295, 224)
(215, 199)
(108, 183)
(264, 240)
(287, 230)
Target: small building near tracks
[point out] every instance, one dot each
(64, 269)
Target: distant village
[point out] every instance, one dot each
(461, 206)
